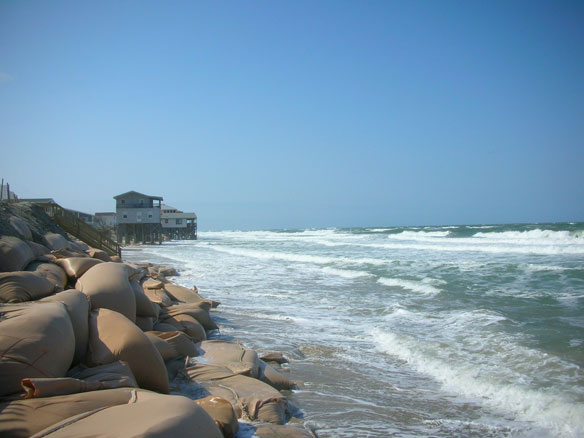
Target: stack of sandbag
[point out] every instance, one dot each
(37, 340)
(116, 412)
(146, 311)
(15, 254)
(251, 399)
(108, 286)
(240, 360)
(21, 286)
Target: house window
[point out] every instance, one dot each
(165, 221)
(125, 216)
(179, 221)
(149, 215)
(123, 201)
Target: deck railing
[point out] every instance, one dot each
(83, 231)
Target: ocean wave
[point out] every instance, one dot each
(347, 273)
(414, 286)
(532, 235)
(553, 411)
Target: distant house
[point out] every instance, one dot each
(85, 217)
(106, 219)
(177, 224)
(138, 217)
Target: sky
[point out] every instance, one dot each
(273, 114)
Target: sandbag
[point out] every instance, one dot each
(274, 356)
(66, 253)
(21, 227)
(56, 242)
(15, 254)
(199, 311)
(53, 273)
(135, 272)
(232, 355)
(163, 347)
(98, 254)
(44, 387)
(145, 323)
(186, 324)
(144, 307)
(149, 416)
(157, 296)
(21, 286)
(117, 374)
(267, 430)
(24, 418)
(36, 340)
(114, 337)
(75, 267)
(172, 345)
(273, 377)
(221, 411)
(116, 259)
(182, 294)
(107, 286)
(162, 327)
(37, 249)
(250, 398)
(78, 308)
(151, 283)
(167, 271)
(78, 245)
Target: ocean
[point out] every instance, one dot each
(465, 331)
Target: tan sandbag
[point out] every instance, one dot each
(56, 241)
(157, 296)
(163, 347)
(182, 294)
(15, 254)
(274, 356)
(36, 340)
(162, 327)
(24, 418)
(273, 377)
(21, 286)
(186, 324)
(135, 272)
(250, 398)
(38, 249)
(149, 416)
(21, 227)
(172, 345)
(107, 286)
(221, 411)
(145, 323)
(78, 308)
(232, 355)
(46, 258)
(112, 375)
(167, 271)
(144, 307)
(78, 245)
(98, 254)
(113, 337)
(180, 341)
(199, 311)
(151, 283)
(116, 259)
(267, 430)
(44, 387)
(66, 253)
(75, 267)
(52, 272)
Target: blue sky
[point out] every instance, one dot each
(298, 114)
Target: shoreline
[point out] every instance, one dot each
(131, 343)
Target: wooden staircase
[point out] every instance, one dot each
(83, 231)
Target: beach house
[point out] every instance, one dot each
(177, 224)
(138, 217)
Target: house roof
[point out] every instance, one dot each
(38, 200)
(106, 213)
(178, 216)
(132, 192)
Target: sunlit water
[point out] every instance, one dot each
(443, 331)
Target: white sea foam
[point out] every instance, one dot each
(561, 415)
(414, 286)
(347, 273)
